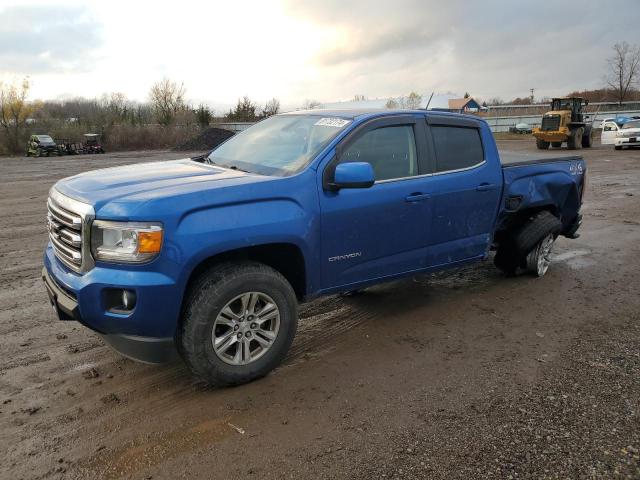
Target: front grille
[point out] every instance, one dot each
(68, 222)
(550, 123)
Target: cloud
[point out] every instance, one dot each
(48, 39)
(488, 48)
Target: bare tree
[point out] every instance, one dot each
(391, 104)
(411, 101)
(311, 104)
(272, 107)
(359, 98)
(624, 69)
(167, 98)
(15, 111)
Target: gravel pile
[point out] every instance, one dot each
(206, 140)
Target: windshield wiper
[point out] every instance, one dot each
(233, 167)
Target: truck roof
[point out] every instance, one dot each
(361, 113)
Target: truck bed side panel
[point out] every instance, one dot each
(555, 184)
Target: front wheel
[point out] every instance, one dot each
(541, 144)
(618, 147)
(238, 323)
(539, 259)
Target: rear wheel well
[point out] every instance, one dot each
(519, 219)
(286, 258)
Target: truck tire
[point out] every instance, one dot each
(539, 226)
(238, 322)
(556, 144)
(538, 259)
(587, 137)
(574, 142)
(541, 144)
(513, 253)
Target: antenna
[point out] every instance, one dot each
(427, 107)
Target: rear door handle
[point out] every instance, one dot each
(485, 187)
(417, 197)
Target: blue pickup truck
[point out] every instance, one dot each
(208, 257)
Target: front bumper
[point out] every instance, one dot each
(551, 135)
(628, 141)
(145, 334)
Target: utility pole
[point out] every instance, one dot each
(531, 97)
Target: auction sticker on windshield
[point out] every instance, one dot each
(332, 122)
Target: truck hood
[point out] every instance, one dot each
(148, 180)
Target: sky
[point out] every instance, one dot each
(327, 50)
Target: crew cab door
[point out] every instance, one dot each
(465, 189)
(376, 232)
(609, 131)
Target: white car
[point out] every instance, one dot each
(628, 135)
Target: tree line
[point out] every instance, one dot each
(167, 104)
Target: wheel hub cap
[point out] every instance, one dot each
(245, 328)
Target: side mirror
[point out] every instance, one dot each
(354, 175)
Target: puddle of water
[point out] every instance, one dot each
(561, 257)
(575, 259)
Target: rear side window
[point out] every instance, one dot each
(456, 147)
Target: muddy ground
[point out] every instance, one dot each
(460, 375)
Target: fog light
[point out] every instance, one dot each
(128, 299)
(118, 300)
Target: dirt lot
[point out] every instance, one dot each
(463, 375)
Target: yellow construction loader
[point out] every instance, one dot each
(564, 123)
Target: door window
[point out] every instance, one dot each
(456, 147)
(391, 151)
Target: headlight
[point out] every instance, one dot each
(125, 242)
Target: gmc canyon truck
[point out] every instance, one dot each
(208, 257)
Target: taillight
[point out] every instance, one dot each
(584, 183)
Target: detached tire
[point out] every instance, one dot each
(238, 323)
(514, 252)
(539, 226)
(538, 259)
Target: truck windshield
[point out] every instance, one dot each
(280, 145)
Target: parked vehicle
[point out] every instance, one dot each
(68, 147)
(92, 143)
(210, 256)
(566, 122)
(522, 128)
(39, 145)
(628, 135)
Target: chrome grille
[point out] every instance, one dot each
(68, 224)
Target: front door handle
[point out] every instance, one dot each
(485, 187)
(417, 197)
